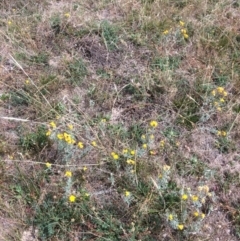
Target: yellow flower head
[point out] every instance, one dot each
(52, 124)
(80, 145)
(125, 151)
(184, 197)
(162, 143)
(67, 15)
(68, 174)
(180, 226)
(84, 168)
(181, 23)
(9, 22)
(143, 137)
(184, 31)
(48, 133)
(222, 100)
(72, 198)
(94, 143)
(127, 193)
(166, 168)
(220, 90)
(213, 92)
(70, 126)
(153, 123)
(130, 162)
(48, 165)
(202, 215)
(185, 36)
(132, 152)
(26, 81)
(194, 198)
(115, 156)
(144, 146)
(60, 136)
(196, 214)
(166, 32)
(225, 93)
(170, 217)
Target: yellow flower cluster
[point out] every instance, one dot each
(130, 162)
(219, 93)
(197, 214)
(183, 30)
(52, 126)
(115, 156)
(127, 193)
(221, 133)
(66, 137)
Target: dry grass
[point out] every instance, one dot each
(109, 68)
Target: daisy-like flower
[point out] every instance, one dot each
(181, 23)
(130, 162)
(194, 198)
(127, 193)
(153, 123)
(80, 145)
(180, 226)
(184, 197)
(68, 174)
(72, 198)
(48, 165)
(52, 124)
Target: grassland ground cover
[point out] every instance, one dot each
(119, 120)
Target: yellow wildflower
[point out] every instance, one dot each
(185, 36)
(162, 143)
(72, 198)
(166, 168)
(127, 193)
(214, 92)
(202, 215)
(153, 123)
(180, 226)
(115, 157)
(48, 165)
(225, 93)
(184, 197)
(130, 162)
(144, 146)
(219, 109)
(60, 136)
(94, 143)
(84, 168)
(222, 100)
(160, 176)
(166, 32)
(9, 22)
(103, 120)
(67, 15)
(196, 214)
(184, 31)
(223, 133)
(48, 133)
(143, 137)
(80, 145)
(181, 23)
(125, 151)
(68, 174)
(220, 90)
(52, 124)
(170, 217)
(86, 194)
(132, 152)
(26, 81)
(70, 126)
(194, 198)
